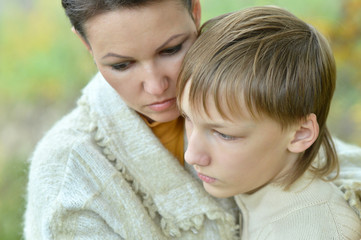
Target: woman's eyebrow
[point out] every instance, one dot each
(170, 39)
(110, 54)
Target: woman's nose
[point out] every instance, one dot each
(155, 82)
(196, 153)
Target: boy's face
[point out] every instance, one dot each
(238, 156)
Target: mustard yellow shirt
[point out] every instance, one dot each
(171, 135)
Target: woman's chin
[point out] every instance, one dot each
(163, 116)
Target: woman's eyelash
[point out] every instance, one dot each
(172, 50)
(169, 51)
(121, 66)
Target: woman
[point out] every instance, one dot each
(101, 173)
(112, 168)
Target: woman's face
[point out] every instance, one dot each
(139, 52)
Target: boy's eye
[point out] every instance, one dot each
(186, 117)
(121, 66)
(225, 136)
(172, 50)
(188, 121)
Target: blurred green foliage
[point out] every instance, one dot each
(40, 58)
(12, 189)
(43, 66)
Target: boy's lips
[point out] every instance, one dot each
(162, 105)
(206, 179)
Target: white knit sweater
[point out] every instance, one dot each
(311, 209)
(100, 173)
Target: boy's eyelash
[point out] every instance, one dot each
(185, 116)
(225, 136)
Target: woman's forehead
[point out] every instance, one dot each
(147, 28)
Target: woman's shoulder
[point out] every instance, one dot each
(50, 159)
(68, 170)
(66, 157)
(63, 134)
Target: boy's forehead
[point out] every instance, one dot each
(195, 109)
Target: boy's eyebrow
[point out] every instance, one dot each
(208, 125)
(214, 125)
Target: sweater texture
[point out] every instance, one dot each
(311, 209)
(100, 173)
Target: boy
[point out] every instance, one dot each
(255, 90)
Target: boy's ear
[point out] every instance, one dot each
(197, 13)
(305, 135)
(82, 40)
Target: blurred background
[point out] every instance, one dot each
(43, 66)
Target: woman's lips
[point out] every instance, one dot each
(161, 106)
(206, 179)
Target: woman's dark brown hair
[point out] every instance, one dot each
(79, 11)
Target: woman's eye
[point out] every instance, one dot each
(225, 136)
(172, 50)
(121, 66)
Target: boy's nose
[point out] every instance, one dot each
(196, 153)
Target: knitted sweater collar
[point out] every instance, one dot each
(165, 187)
(269, 203)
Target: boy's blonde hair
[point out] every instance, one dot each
(272, 62)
